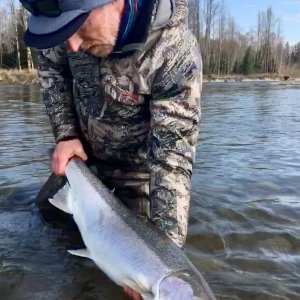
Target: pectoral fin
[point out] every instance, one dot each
(60, 199)
(80, 252)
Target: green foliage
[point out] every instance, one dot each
(247, 66)
(8, 61)
(23, 52)
(295, 55)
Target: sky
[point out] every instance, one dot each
(245, 14)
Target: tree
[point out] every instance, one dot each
(210, 12)
(15, 24)
(248, 62)
(195, 18)
(268, 23)
(24, 16)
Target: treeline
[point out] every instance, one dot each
(13, 52)
(225, 49)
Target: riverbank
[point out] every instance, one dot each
(257, 77)
(30, 77)
(18, 77)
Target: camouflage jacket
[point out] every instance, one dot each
(138, 110)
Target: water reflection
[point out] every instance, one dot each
(244, 232)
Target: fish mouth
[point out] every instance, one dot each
(183, 285)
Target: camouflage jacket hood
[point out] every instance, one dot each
(155, 15)
(135, 112)
(168, 13)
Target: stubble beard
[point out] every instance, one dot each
(103, 46)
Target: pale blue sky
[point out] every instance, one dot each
(245, 13)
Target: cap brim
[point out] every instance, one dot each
(45, 39)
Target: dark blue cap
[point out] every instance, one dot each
(45, 32)
(44, 41)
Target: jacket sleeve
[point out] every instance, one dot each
(175, 116)
(56, 87)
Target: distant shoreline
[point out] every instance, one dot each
(252, 78)
(26, 77)
(13, 76)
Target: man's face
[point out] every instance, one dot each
(99, 32)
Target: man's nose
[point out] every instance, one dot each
(74, 42)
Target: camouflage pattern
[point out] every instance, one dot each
(138, 117)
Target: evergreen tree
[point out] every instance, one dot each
(248, 62)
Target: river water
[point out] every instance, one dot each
(244, 233)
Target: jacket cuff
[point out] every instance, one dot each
(66, 132)
(67, 138)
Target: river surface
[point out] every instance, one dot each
(244, 233)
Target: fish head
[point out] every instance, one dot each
(185, 286)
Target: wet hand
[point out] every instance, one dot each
(132, 293)
(63, 152)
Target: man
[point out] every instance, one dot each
(121, 83)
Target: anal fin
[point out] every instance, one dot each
(60, 205)
(80, 252)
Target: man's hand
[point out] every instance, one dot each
(63, 152)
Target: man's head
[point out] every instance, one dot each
(90, 25)
(98, 34)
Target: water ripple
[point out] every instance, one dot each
(244, 232)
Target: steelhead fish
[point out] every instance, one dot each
(130, 250)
